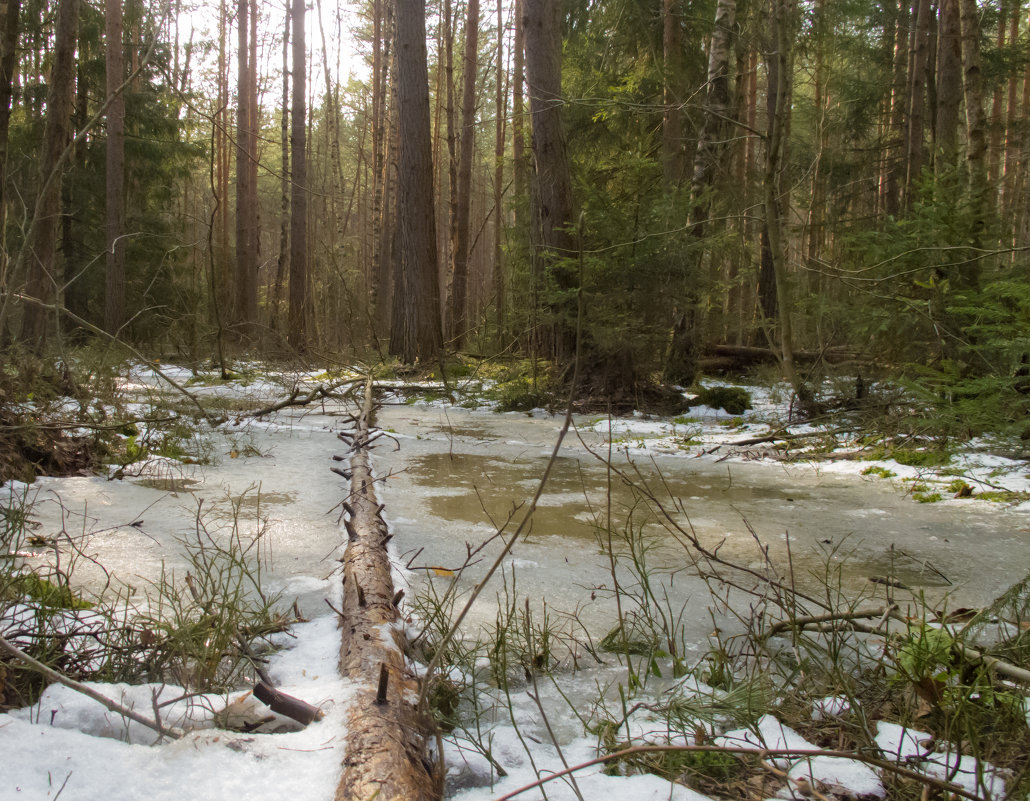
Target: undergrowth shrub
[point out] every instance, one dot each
(187, 628)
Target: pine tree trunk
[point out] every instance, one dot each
(10, 13)
(917, 98)
(501, 114)
(816, 209)
(976, 134)
(244, 213)
(379, 276)
(284, 181)
(252, 186)
(299, 198)
(223, 160)
(41, 247)
(114, 286)
(899, 105)
(416, 325)
(460, 251)
(672, 115)
(72, 292)
(552, 179)
(518, 112)
(949, 85)
(446, 242)
(1012, 132)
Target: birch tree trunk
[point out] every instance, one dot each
(773, 180)
(996, 126)
(718, 108)
(681, 356)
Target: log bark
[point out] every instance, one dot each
(387, 737)
(745, 355)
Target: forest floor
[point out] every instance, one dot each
(898, 690)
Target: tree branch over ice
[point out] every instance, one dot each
(113, 706)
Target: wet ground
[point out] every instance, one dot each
(451, 477)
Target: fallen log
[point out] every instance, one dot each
(727, 358)
(386, 757)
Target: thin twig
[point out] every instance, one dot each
(57, 308)
(882, 764)
(110, 704)
(831, 617)
(510, 543)
(296, 399)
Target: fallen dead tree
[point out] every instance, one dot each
(387, 735)
(729, 358)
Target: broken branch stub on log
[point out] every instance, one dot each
(387, 736)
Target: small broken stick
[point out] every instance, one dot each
(277, 701)
(283, 704)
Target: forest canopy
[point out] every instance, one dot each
(692, 185)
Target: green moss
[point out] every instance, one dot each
(204, 380)
(519, 396)
(881, 472)
(733, 400)
(444, 697)
(912, 457)
(927, 497)
(43, 591)
(714, 765)
(920, 458)
(427, 396)
(455, 368)
(634, 641)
